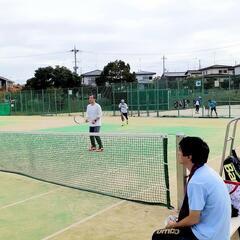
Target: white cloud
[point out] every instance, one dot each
(180, 29)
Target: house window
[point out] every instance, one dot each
(150, 78)
(220, 71)
(225, 71)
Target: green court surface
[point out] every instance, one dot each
(32, 210)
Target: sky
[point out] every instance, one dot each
(188, 33)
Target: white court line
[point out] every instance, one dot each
(28, 199)
(84, 220)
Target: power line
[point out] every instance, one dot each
(35, 55)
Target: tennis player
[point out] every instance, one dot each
(94, 114)
(123, 107)
(206, 209)
(212, 104)
(197, 105)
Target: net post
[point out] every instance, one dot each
(165, 154)
(181, 173)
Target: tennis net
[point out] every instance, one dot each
(132, 166)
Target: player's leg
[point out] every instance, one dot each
(92, 140)
(122, 118)
(211, 111)
(126, 116)
(215, 110)
(174, 234)
(98, 139)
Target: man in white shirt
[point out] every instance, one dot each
(94, 114)
(123, 107)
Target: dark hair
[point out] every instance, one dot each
(92, 95)
(195, 147)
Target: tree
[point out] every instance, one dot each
(116, 72)
(49, 77)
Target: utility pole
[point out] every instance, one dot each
(164, 69)
(75, 51)
(164, 59)
(199, 64)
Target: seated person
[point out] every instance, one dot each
(206, 209)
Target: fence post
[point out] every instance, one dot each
(82, 102)
(69, 111)
(138, 100)
(168, 97)
(157, 98)
(202, 96)
(178, 103)
(21, 104)
(43, 100)
(147, 101)
(113, 91)
(131, 100)
(181, 174)
(31, 100)
(229, 96)
(55, 100)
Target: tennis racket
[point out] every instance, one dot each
(78, 120)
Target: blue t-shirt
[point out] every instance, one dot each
(212, 104)
(207, 193)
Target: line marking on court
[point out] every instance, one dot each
(29, 199)
(84, 220)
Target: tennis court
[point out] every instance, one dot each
(32, 209)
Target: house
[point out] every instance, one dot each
(144, 76)
(89, 78)
(5, 84)
(173, 76)
(237, 70)
(217, 71)
(193, 74)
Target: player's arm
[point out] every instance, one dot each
(190, 220)
(197, 200)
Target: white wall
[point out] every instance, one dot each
(216, 71)
(237, 70)
(144, 78)
(89, 81)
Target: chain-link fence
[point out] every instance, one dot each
(143, 99)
